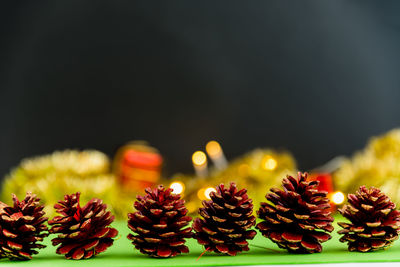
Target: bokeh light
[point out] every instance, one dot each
(177, 187)
(199, 158)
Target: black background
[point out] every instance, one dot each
(315, 77)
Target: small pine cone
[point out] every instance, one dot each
(299, 216)
(374, 221)
(226, 221)
(21, 227)
(82, 232)
(158, 223)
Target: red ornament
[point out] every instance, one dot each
(138, 166)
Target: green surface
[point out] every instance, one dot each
(262, 251)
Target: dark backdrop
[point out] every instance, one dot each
(315, 77)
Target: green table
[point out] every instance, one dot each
(262, 251)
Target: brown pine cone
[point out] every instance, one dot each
(298, 217)
(226, 221)
(158, 223)
(82, 232)
(374, 221)
(21, 227)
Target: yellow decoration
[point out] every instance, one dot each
(65, 172)
(377, 165)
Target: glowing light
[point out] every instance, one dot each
(177, 187)
(213, 148)
(337, 198)
(269, 163)
(208, 191)
(199, 158)
(204, 193)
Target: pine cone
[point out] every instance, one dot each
(22, 226)
(374, 220)
(158, 223)
(226, 220)
(82, 232)
(299, 216)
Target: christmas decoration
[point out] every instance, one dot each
(374, 221)
(22, 226)
(378, 164)
(226, 221)
(158, 224)
(82, 232)
(255, 170)
(137, 166)
(54, 175)
(298, 217)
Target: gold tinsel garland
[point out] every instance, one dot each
(377, 165)
(66, 172)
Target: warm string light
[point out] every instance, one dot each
(208, 191)
(204, 193)
(269, 163)
(199, 160)
(177, 187)
(213, 149)
(338, 198)
(216, 154)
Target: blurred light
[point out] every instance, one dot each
(269, 163)
(213, 148)
(204, 193)
(177, 187)
(337, 198)
(208, 191)
(199, 158)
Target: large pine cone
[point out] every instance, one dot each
(374, 220)
(21, 227)
(82, 232)
(226, 220)
(299, 216)
(158, 223)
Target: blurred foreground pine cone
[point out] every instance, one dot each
(226, 220)
(299, 216)
(374, 221)
(82, 232)
(158, 223)
(21, 227)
